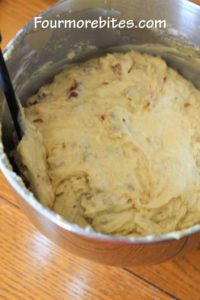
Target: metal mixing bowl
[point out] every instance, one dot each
(34, 56)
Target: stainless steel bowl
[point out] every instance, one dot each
(34, 56)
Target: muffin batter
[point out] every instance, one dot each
(115, 143)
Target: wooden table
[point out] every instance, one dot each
(33, 268)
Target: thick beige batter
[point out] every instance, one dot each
(115, 143)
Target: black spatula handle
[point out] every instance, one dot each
(7, 87)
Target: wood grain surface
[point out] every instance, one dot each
(33, 268)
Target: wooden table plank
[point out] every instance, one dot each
(15, 13)
(180, 277)
(33, 268)
(6, 191)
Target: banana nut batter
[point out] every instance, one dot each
(115, 143)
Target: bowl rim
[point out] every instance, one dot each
(27, 196)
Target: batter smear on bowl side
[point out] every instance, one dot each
(115, 143)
